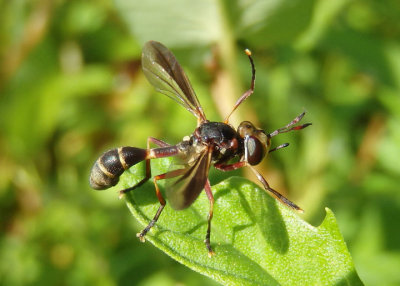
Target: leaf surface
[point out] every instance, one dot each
(190, 22)
(257, 240)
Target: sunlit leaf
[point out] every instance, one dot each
(183, 22)
(176, 22)
(278, 21)
(257, 241)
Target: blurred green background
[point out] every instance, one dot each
(71, 87)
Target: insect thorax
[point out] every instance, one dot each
(225, 141)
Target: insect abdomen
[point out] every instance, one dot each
(110, 166)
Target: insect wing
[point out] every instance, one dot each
(182, 190)
(165, 73)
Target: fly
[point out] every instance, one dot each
(211, 143)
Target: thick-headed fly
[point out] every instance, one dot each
(214, 143)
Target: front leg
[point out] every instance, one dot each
(274, 193)
(230, 167)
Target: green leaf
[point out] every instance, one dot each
(174, 22)
(190, 22)
(257, 240)
(272, 22)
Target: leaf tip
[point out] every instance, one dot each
(329, 220)
(329, 213)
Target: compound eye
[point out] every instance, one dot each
(255, 150)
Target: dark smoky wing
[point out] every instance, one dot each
(165, 73)
(185, 184)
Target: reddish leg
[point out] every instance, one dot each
(274, 193)
(165, 150)
(230, 167)
(148, 168)
(171, 174)
(210, 197)
(287, 129)
(156, 141)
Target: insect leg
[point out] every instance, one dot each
(142, 234)
(157, 142)
(210, 197)
(162, 201)
(274, 193)
(287, 129)
(144, 180)
(230, 167)
(148, 167)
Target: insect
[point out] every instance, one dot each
(216, 143)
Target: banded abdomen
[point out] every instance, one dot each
(110, 166)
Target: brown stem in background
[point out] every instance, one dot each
(33, 32)
(366, 155)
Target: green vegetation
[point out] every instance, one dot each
(256, 240)
(71, 87)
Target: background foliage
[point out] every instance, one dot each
(71, 87)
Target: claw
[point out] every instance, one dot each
(211, 253)
(141, 237)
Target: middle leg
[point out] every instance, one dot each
(141, 235)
